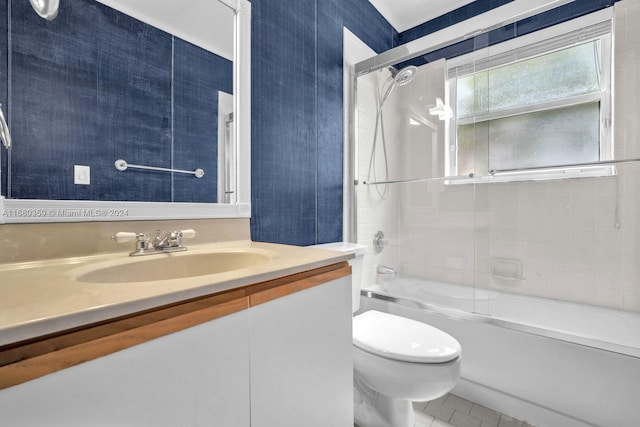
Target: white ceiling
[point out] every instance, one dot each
(205, 23)
(405, 14)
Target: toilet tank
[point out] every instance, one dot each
(356, 266)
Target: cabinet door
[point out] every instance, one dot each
(196, 377)
(301, 359)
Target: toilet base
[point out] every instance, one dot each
(372, 409)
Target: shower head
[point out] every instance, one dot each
(398, 78)
(405, 75)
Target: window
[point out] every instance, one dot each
(533, 105)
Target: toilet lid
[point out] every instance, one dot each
(399, 338)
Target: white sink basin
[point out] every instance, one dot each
(153, 268)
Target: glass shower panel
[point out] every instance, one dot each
(555, 246)
(376, 204)
(429, 223)
(480, 132)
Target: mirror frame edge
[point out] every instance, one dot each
(16, 211)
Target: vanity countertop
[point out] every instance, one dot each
(44, 297)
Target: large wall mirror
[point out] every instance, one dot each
(125, 110)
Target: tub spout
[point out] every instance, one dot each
(383, 269)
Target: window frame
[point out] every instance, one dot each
(559, 37)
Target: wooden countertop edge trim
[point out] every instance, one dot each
(47, 363)
(28, 360)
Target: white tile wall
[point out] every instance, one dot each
(374, 212)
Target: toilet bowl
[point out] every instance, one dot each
(396, 360)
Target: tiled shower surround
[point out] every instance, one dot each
(95, 85)
(575, 239)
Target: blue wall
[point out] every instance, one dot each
(95, 85)
(297, 114)
(198, 76)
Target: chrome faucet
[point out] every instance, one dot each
(167, 240)
(163, 243)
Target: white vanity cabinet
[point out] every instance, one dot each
(302, 359)
(195, 377)
(272, 354)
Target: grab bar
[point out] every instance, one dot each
(122, 165)
(5, 135)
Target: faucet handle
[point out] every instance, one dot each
(142, 241)
(188, 233)
(124, 236)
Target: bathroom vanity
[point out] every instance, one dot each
(264, 344)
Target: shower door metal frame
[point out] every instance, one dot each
(485, 22)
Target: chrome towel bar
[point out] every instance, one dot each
(122, 165)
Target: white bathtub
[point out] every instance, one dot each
(551, 363)
(566, 320)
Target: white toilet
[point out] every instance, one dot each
(396, 360)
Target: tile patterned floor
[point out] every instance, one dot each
(454, 411)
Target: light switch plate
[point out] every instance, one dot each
(81, 175)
